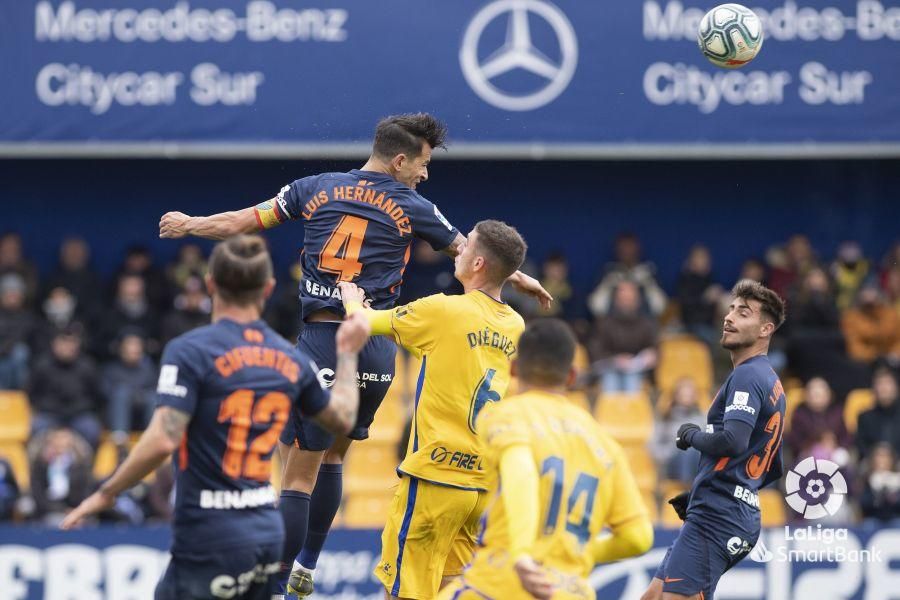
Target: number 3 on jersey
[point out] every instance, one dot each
(340, 256)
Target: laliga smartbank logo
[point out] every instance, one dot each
(807, 487)
(814, 489)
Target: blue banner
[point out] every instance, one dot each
(505, 74)
(791, 563)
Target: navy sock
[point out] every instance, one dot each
(294, 508)
(325, 502)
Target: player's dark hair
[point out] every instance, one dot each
(504, 247)
(241, 266)
(404, 134)
(546, 351)
(771, 304)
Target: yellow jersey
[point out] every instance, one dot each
(467, 344)
(586, 483)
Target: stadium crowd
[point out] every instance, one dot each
(84, 349)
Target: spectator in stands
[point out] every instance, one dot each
(872, 327)
(59, 310)
(881, 423)
(788, 264)
(129, 383)
(624, 344)
(815, 416)
(63, 388)
(138, 261)
(892, 287)
(192, 309)
(880, 500)
(567, 302)
(815, 342)
(190, 264)
(61, 464)
(9, 491)
(890, 261)
(684, 407)
(628, 267)
(754, 269)
(17, 327)
(74, 273)
(849, 270)
(813, 305)
(131, 310)
(698, 294)
(12, 260)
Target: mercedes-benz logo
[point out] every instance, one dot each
(518, 52)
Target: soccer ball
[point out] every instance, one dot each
(730, 35)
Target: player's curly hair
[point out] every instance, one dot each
(771, 304)
(404, 134)
(240, 267)
(503, 246)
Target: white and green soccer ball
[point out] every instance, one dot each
(730, 35)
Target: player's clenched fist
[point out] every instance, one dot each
(533, 578)
(351, 293)
(173, 225)
(353, 333)
(684, 435)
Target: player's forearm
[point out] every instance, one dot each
(157, 443)
(379, 320)
(732, 441)
(520, 491)
(344, 394)
(223, 225)
(453, 249)
(630, 539)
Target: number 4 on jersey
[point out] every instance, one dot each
(340, 256)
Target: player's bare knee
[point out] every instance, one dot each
(301, 468)
(335, 455)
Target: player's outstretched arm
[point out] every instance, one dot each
(174, 225)
(354, 300)
(339, 416)
(531, 286)
(158, 442)
(520, 502)
(631, 538)
(731, 441)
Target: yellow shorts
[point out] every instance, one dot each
(491, 577)
(430, 534)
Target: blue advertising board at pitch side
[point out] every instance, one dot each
(125, 563)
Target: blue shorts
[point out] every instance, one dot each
(376, 371)
(242, 572)
(702, 553)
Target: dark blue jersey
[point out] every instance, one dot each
(358, 227)
(238, 383)
(729, 487)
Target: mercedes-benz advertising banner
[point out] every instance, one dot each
(507, 75)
